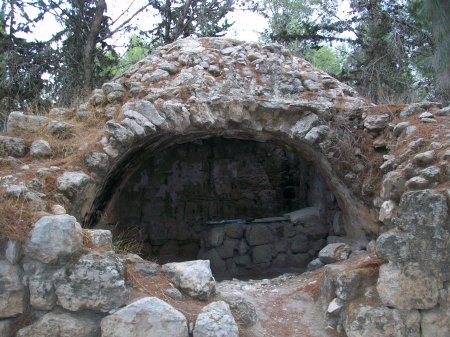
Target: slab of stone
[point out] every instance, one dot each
(19, 122)
(62, 324)
(12, 292)
(192, 277)
(54, 239)
(216, 320)
(95, 281)
(149, 317)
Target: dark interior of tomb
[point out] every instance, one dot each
(229, 201)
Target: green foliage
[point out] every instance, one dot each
(136, 51)
(324, 58)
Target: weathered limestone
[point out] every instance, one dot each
(216, 320)
(95, 281)
(334, 252)
(148, 316)
(192, 277)
(40, 149)
(54, 238)
(18, 122)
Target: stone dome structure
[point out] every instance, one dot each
(249, 157)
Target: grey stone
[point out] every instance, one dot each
(77, 187)
(216, 320)
(146, 268)
(62, 324)
(214, 237)
(192, 277)
(443, 112)
(317, 134)
(99, 238)
(110, 87)
(299, 244)
(408, 287)
(234, 230)
(393, 186)
(262, 254)
(388, 212)
(374, 321)
(6, 328)
(13, 251)
(399, 128)
(174, 293)
(426, 114)
(120, 133)
(12, 146)
(243, 311)
(148, 110)
(60, 130)
(97, 162)
(334, 252)
(40, 149)
(395, 246)
(417, 183)
(133, 126)
(156, 76)
(435, 322)
(18, 121)
(54, 238)
(15, 191)
(149, 316)
(376, 123)
(12, 292)
(432, 173)
(141, 120)
(424, 158)
(97, 98)
(95, 281)
(417, 108)
(304, 125)
(314, 264)
(258, 235)
(169, 67)
(214, 70)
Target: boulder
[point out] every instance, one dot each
(60, 130)
(62, 324)
(40, 149)
(12, 146)
(334, 252)
(12, 292)
(54, 238)
(192, 277)
(149, 317)
(19, 122)
(407, 287)
(98, 238)
(373, 321)
(216, 320)
(95, 281)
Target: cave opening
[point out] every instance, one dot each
(252, 208)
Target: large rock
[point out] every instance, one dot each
(12, 292)
(12, 146)
(407, 287)
(18, 122)
(334, 252)
(192, 277)
(372, 321)
(95, 281)
(54, 238)
(149, 317)
(62, 324)
(216, 320)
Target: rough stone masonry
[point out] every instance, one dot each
(387, 168)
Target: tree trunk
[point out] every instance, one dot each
(89, 48)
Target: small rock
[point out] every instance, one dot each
(40, 149)
(376, 123)
(392, 186)
(192, 277)
(12, 292)
(334, 252)
(174, 293)
(99, 238)
(428, 120)
(149, 317)
(317, 134)
(156, 76)
(387, 212)
(335, 306)
(216, 320)
(243, 311)
(146, 268)
(426, 114)
(169, 67)
(417, 183)
(399, 128)
(214, 70)
(58, 210)
(110, 87)
(314, 264)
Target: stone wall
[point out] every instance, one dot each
(272, 245)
